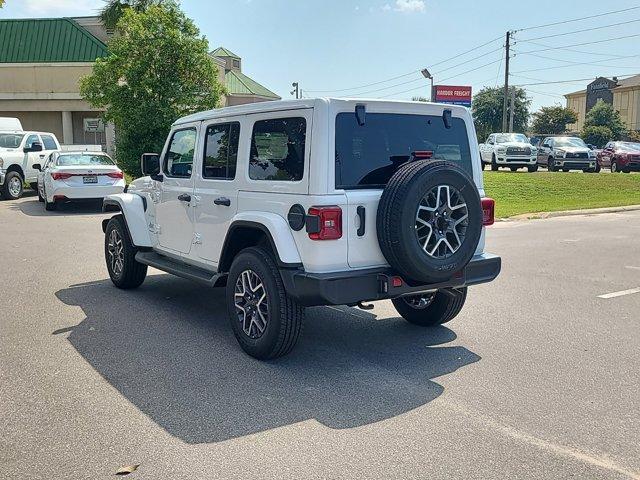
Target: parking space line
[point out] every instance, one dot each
(621, 293)
(632, 267)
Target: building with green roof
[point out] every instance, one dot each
(241, 89)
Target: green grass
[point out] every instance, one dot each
(522, 192)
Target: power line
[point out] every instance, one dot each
(583, 43)
(577, 19)
(582, 30)
(409, 73)
(574, 64)
(467, 61)
(538, 44)
(570, 81)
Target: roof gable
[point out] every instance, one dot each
(223, 52)
(47, 40)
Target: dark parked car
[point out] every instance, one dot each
(620, 157)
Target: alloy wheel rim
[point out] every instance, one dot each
(14, 186)
(441, 221)
(419, 302)
(115, 248)
(252, 306)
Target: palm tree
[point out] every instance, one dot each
(114, 9)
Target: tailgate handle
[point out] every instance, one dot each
(361, 215)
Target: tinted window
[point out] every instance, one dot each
(179, 157)
(368, 155)
(10, 140)
(84, 159)
(221, 151)
(49, 143)
(277, 149)
(30, 140)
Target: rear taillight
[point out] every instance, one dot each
(115, 175)
(60, 176)
(488, 211)
(324, 223)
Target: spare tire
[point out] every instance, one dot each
(429, 220)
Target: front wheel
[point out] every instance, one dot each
(532, 168)
(494, 164)
(13, 186)
(264, 319)
(431, 309)
(120, 254)
(550, 165)
(614, 167)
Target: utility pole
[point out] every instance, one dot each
(506, 84)
(426, 74)
(512, 110)
(296, 89)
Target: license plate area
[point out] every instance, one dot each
(90, 179)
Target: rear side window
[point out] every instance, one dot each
(368, 155)
(179, 157)
(48, 142)
(277, 149)
(221, 151)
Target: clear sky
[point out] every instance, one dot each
(332, 45)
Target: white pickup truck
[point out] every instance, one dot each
(19, 151)
(512, 150)
(292, 204)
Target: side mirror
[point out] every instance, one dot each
(35, 147)
(37, 166)
(546, 145)
(150, 165)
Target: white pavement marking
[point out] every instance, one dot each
(620, 294)
(509, 431)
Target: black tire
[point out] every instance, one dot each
(565, 170)
(50, 206)
(132, 273)
(550, 165)
(513, 169)
(614, 167)
(8, 193)
(494, 164)
(444, 306)
(396, 220)
(532, 168)
(626, 170)
(598, 167)
(34, 186)
(484, 165)
(285, 315)
(40, 197)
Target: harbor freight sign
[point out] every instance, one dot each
(454, 95)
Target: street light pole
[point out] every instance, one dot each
(426, 74)
(296, 89)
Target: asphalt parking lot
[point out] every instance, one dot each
(538, 377)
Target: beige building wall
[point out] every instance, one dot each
(627, 102)
(577, 103)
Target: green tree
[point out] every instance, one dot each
(487, 110)
(603, 114)
(597, 135)
(158, 69)
(113, 10)
(1, 3)
(553, 120)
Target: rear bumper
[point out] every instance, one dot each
(345, 288)
(85, 193)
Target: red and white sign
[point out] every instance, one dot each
(456, 95)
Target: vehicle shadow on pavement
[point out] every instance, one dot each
(167, 347)
(34, 208)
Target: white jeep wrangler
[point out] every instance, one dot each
(311, 202)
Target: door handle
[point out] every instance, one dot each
(184, 197)
(222, 201)
(42, 156)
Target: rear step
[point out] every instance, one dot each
(189, 272)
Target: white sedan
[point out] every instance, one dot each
(77, 176)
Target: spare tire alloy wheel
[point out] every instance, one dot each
(441, 221)
(420, 302)
(429, 220)
(252, 306)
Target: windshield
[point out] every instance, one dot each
(569, 142)
(84, 159)
(10, 140)
(628, 146)
(368, 155)
(511, 137)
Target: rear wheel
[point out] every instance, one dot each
(532, 168)
(13, 186)
(120, 255)
(264, 319)
(431, 309)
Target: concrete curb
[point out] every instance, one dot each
(569, 213)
